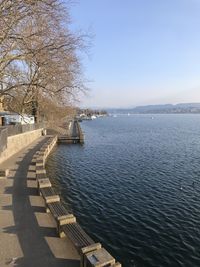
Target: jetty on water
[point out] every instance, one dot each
(36, 229)
(70, 134)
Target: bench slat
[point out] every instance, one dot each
(57, 209)
(77, 235)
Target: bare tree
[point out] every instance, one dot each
(38, 54)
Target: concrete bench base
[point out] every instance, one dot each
(44, 183)
(41, 171)
(90, 248)
(99, 257)
(66, 219)
(39, 164)
(52, 199)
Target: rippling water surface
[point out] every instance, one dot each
(135, 187)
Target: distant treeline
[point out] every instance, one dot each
(183, 108)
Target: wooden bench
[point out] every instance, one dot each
(49, 195)
(61, 216)
(77, 235)
(41, 175)
(40, 172)
(34, 158)
(39, 168)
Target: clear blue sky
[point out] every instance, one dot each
(143, 52)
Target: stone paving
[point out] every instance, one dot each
(28, 235)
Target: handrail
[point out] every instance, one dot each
(10, 130)
(19, 128)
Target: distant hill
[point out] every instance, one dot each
(161, 109)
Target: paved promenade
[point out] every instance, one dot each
(28, 235)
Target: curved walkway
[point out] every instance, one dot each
(28, 235)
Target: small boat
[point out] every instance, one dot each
(93, 117)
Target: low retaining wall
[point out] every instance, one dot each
(17, 142)
(91, 253)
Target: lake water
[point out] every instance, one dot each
(134, 186)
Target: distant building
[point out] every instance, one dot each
(9, 118)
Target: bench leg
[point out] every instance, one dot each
(60, 232)
(47, 209)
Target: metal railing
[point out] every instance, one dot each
(19, 128)
(10, 130)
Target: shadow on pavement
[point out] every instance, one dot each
(31, 236)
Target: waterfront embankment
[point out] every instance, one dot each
(17, 142)
(37, 229)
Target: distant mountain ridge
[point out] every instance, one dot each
(182, 108)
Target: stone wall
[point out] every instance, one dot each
(17, 142)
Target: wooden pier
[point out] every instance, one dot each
(73, 135)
